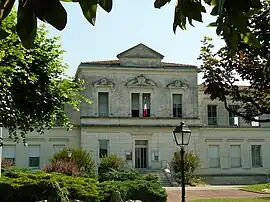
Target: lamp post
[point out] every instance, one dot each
(69, 153)
(182, 136)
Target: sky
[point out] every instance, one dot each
(128, 24)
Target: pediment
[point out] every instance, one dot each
(141, 81)
(140, 51)
(177, 84)
(103, 82)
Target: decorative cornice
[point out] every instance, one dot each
(141, 81)
(104, 82)
(177, 84)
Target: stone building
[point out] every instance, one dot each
(137, 102)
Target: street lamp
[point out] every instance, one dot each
(69, 153)
(182, 136)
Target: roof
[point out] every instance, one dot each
(140, 51)
(117, 63)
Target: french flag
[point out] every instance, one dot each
(145, 113)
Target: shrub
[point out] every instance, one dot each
(30, 187)
(122, 175)
(6, 163)
(192, 163)
(146, 191)
(109, 162)
(81, 158)
(150, 177)
(65, 167)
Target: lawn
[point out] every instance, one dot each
(266, 199)
(256, 187)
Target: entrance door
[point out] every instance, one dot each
(141, 153)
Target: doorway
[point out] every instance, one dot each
(141, 153)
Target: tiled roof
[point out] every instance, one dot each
(117, 62)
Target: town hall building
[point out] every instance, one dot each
(138, 100)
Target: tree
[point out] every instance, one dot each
(232, 16)
(192, 163)
(33, 87)
(250, 63)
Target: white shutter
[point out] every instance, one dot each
(34, 150)
(103, 103)
(214, 156)
(9, 151)
(213, 151)
(58, 147)
(235, 151)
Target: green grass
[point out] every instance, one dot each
(266, 199)
(256, 187)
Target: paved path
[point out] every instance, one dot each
(195, 193)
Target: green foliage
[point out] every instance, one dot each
(122, 175)
(109, 162)
(146, 191)
(192, 163)
(56, 187)
(232, 16)
(52, 186)
(150, 177)
(81, 158)
(33, 87)
(250, 63)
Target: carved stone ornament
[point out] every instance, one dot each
(103, 83)
(141, 81)
(177, 84)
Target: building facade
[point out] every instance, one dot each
(137, 102)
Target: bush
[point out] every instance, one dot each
(192, 163)
(14, 171)
(56, 187)
(110, 162)
(150, 177)
(81, 158)
(65, 167)
(30, 187)
(6, 163)
(146, 191)
(122, 175)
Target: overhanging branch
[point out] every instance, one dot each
(244, 116)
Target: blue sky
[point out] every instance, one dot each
(130, 23)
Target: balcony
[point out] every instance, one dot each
(138, 121)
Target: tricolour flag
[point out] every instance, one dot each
(145, 110)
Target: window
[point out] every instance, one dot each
(233, 118)
(236, 161)
(135, 104)
(58, 147)
(255, 123)
(146, 104)
(155, 155)
(103, 104)
(128, 156)
(212, 115)
(34, 156)
(9, 153)
(256, 155)
(177, 105)
(214, 156)
(103, 148)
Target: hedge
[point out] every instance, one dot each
(30, 187)
(56, 187)
(146, 191)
